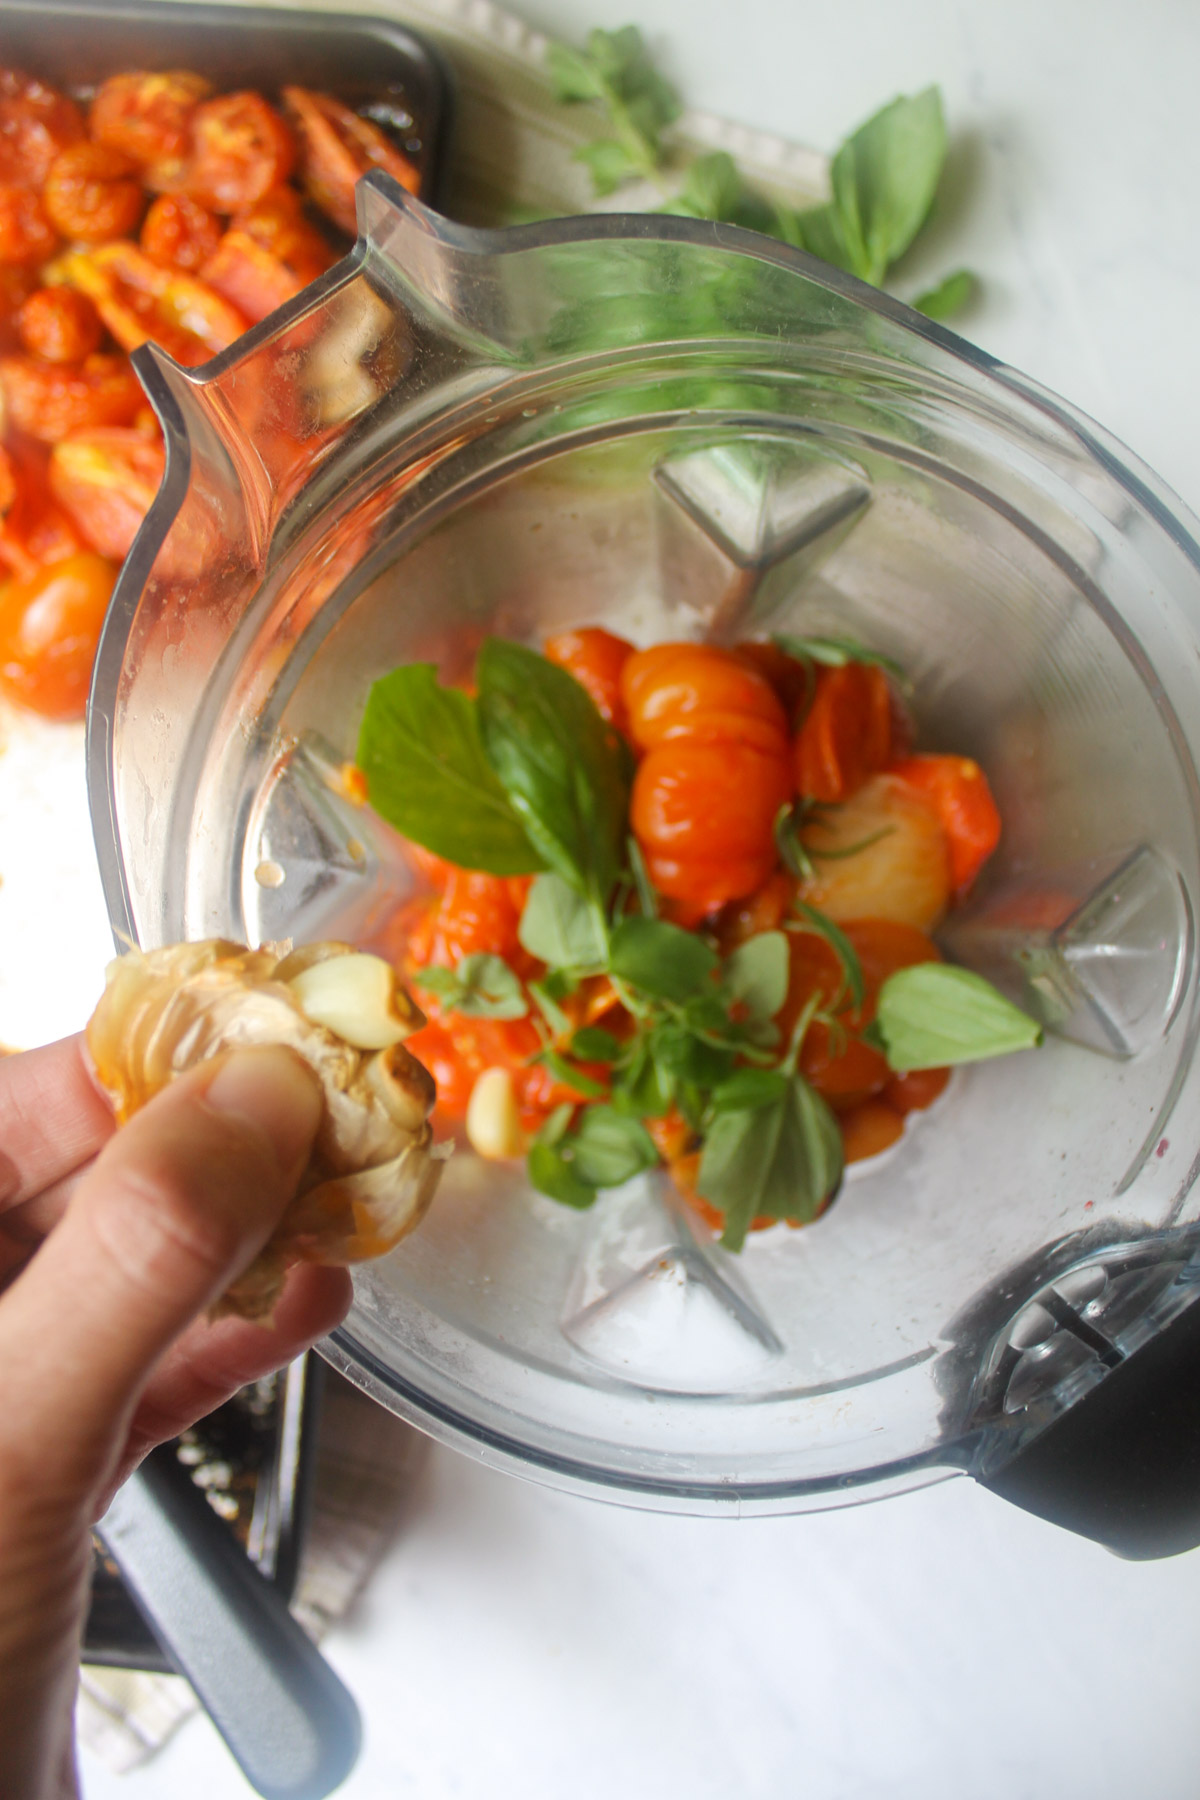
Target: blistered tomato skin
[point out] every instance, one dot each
(697, 691)
(26, 234)
(59, 325)
(49, 626)
(146, 115)
(106, 481)
(92, 193)
(239, 148)
(36, 123)
(846, 734)
(596, 659)
(335, 148)
(956, 790)
(180, 233)
(704, 815)
(50, 399)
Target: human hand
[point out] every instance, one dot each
(111, 1245)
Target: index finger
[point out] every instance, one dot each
(52, 1119)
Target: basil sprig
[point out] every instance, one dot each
(481, 986)
(427, 772)
(558, 763)
(935, 1014)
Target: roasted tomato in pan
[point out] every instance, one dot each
(179, 233)
(92, 194)
(336, 147)
(105, 481)
(238, 150)
(26, 234)
(146, 115)
(140, 301)
(49, 399)
(50, 624)
(59, 325)
(36, 123)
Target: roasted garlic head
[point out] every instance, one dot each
(371, 1175)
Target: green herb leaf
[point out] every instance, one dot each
(594, 1044)
(809, 919)
(756, 974)
(553, 1174)
(660, 958)
(836, 652)
(481, 987)
(555, 1127)
(712, 189)
(608, 1147)
(570, 1074)
(544, 999)
(781, 1159)
(561, 928)
(642, 885)
(616, 71)
(557, 761)
(419, 747)
(884, 178)
(609, 164)
(934, 1014)
(948, 297)
(688, 1058)
(748, 1089)
(793, 854)
(644, 1087)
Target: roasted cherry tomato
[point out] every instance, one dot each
(26, 234)
(146, 116)
(835, 1059)
(704, 815)
(791, 679)
(916, 1089)
(336, 147)
(106, 481)
(869, 1129)
(179, 233)
(595, 658)
(238, 150)
(50, 399)
(141, 301)
(762, 910)
(34, 529)
(92, 193)
(846, 735)
(49, 627)
(278, 223)
(17, 283)
(251, 278)
(36, 122)
(474, 912)
(957, 790)
(59, 325)
(703, 693)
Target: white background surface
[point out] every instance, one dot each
(942, 1646)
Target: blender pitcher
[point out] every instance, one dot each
(679, 429)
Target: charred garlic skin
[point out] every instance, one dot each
(371, 1175)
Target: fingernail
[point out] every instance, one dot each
(276, 1092)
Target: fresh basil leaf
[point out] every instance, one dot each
(948, 297)
(642, 885)
(836, 652)
(609, 164)
(884, 179)
(661, 959)
(688, 1058)
(809, 919)
(756, 974)
(644, 1086)
(781, 1160)
(549, 1008)
(561, 928)
(573, 75)
(934, 1014)
(608, 1147)
(481, 987)
(712, 189)
(819, 230)
(553, 1174)
(570, 1075)
(747, 1089)
(420, 749)
(557, 762)
(594, 1044)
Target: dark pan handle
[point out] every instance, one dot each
(1123, 1464)
(291, 1725)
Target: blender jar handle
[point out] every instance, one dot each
(1122, 1465)
(289, 1722)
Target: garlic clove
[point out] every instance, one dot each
(358, 997)
(493, 1121)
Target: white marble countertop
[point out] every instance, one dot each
(943, 1646)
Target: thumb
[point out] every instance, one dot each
(175, 1206)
